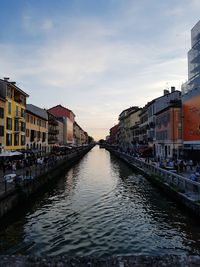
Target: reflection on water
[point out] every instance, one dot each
(101, 208)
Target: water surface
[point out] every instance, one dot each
(101, 207)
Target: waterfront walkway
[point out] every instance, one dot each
(26, 174)
(29, 173)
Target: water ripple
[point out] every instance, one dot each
(102, 208)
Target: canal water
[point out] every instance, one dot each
(101, 207)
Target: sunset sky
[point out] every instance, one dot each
(96, 57)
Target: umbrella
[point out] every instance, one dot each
(10, 154)
(16, 153)
(5, 154)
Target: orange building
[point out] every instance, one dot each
(168, 131)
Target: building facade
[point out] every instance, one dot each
(67, 117)
(2, 123)
(125, 134)
(191, 99)
(36, 129)
(114, 132)
(61, 136)
(53, 132)
(168, 130)
(14, 115)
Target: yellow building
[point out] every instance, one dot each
(127, 119)
(2, 112)
(14, 115)
(36, 128)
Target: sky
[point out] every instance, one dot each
(96, 57)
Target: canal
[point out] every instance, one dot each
(101, 207)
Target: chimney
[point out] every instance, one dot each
(173, 88)
(166, 92)
(6, 79)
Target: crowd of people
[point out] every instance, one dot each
(176, 165)
(31, 161)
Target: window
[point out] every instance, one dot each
(16, 125)
(23, 140)
(34, 120)
(1, 130)
(43, 137)
(9, 92)
(23, 113)
(2, 113)
(23, 126)
(16, 139)
(27, 132)
(32, 135)
(9, 108)
(31, 119)
(9, 139)
(9, 124)
(23, 100)
(17, 111)
(38, 134)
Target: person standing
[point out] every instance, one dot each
(190, 163)
(14, 167)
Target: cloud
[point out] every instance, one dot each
(34, 26)
(98, 66)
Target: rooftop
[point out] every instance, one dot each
(42, 113)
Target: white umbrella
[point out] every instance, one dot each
(10, 154)
(6, 154)
(16, 153)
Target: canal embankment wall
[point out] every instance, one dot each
(182, 190)
(115, 261)
(19, 193)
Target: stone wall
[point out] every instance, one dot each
(179, 188)
(12, 198)
(124, 261)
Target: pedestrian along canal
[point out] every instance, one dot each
(101, 207)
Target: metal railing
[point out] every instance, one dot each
(187, 187)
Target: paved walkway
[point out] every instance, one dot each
(27, 173)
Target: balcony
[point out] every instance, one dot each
(52, 139)
(52, 122)
(53, 132)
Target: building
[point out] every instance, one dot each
(53, 132)
(14, 115)
(191, 99)
(114, 131)
(124, 127)
(67, 117)
(2, 123)
(79, 135)
(168, 131)
(61, 136)
(36, 128)
(85, 137)
(155, 106)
